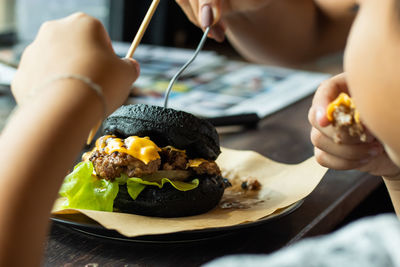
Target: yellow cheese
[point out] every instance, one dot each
(194, 163)
(102, 141)
(140, 148)
(174, 149)
(345, 100)
(357, 116)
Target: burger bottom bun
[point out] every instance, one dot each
(170, 202)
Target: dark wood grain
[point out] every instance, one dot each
(283, 137)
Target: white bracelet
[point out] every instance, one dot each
(92, 85)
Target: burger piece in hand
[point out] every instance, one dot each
(344, 116)
(162, 160)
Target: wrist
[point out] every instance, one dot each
(79, 82)
(55, 122)
(67, 100)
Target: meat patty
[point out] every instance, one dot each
(111, 166)
(173, 159)
(344, 117)
(207, 167)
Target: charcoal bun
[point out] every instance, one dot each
(169, 202)
(165, 127)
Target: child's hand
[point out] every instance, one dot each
(349, 152)
(77, 44)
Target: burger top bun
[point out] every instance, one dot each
(166, 127)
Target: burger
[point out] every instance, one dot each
(344, 116)
(151, 161)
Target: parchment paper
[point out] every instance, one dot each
(282, 185)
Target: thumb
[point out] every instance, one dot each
(320, 116)
(133, 69)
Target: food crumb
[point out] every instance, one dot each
(251, 183)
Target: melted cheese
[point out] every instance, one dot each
(345, 100)
(357, 116)
(140, 148)
(102, 141)
(194, 163)
(174, 149)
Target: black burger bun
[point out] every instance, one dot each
(169, 127)
(169, 202)
(166, 127)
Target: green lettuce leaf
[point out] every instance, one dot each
(122, 179)
(136, 185)
(84, 191)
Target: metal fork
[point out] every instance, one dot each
(179, 73)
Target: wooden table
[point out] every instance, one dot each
(283, 137)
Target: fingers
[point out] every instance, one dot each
(326, 93)
(132, 68)
(205, 13)
(210, 15)
(339, 136)
(337, 163)
(335, 148)
(98, 33)
(330, 89)
(380, 165)
(343, 156)
(346, 151)
(188, 10)
(207, 16)
(209, 12)
(217, 32)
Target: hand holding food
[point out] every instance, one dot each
(78, 44)
(204, 13)
(340, 140)
(342, 113)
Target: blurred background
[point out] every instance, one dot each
(21, 19)
(218, 83)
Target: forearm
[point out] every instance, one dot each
(289, 30)
(393, 187)
(48, 143)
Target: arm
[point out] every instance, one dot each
(47, 132)
(38, 147)
(288, 30)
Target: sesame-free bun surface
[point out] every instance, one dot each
(166, 127)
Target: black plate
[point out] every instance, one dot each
(90, 227)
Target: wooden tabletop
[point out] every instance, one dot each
(283, 137)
